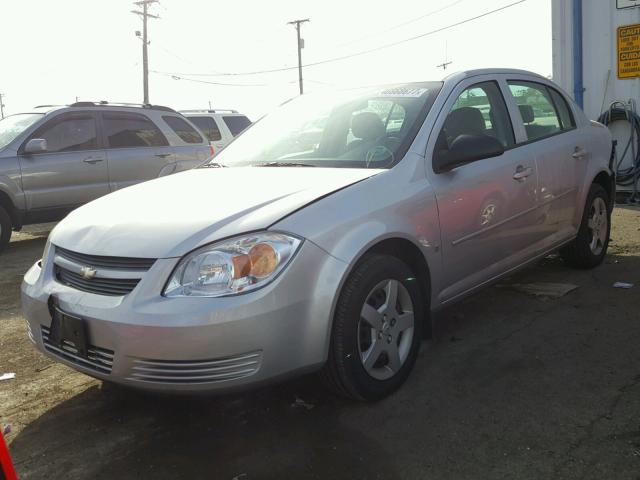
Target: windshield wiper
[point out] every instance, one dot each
(282, 164)
(213, 165)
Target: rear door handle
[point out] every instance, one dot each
(522, 173)
(163, 155)
(93, 160)
(579, 153)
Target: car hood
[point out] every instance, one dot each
(170, 216)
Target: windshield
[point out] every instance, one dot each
(360, 128)
(14, 125)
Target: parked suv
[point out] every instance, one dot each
(56, 158)
(219, 126)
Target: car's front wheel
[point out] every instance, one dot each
(589, 247)
(377, 329)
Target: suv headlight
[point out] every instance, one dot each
(232, 266)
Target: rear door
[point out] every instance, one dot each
(72, 171)
(189, 147)
(560, 150)
(137, 150)
(485, 207)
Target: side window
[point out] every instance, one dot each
(69, 133)
(536, 108)
(131, 130)
(185, 131)
(236, 124)
(567, 121)
(479, 110)
(208, 126)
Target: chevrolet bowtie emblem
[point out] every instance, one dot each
(88, 272)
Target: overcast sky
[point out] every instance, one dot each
(54, 51)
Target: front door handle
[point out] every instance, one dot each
(579, 153)
(162, 155)
(93, 160)
(522, 173)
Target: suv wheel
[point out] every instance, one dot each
(590, 245)
(377, 330)
(5, 228)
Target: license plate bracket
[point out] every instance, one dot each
(69, 329)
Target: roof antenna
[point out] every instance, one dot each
(444, 64)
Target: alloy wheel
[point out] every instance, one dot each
(385, 329)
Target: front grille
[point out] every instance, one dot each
(115, 287)
(113, 276)
(115, 263)
(196, 371)
(98, 359)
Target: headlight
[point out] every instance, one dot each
(232, 266)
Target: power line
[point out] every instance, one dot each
(403, 24)
(196, 80)
(356, 54)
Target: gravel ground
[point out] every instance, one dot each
(513, 386)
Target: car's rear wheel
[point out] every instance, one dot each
(377, 330)
(5, 228)
(589, 247)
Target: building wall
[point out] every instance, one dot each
(600, 20)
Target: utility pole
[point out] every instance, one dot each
(1, 106)
(297, 23)
(145, 59)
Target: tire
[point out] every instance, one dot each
(589, 247)
(5, 228)
(368, 363)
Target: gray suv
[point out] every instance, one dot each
(56, 158)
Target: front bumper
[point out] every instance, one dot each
(151, 342)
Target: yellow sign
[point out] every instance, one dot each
(629, 51)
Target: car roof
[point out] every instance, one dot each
(460, 75)
(107, 106)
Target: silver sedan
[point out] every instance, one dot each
(324, 236)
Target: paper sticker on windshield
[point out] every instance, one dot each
(406, 92)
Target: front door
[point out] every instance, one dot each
(485, 207)
(72, 171)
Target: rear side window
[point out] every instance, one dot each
(237, 124)
(208, 126)
(536, 109)
(185, 131)
(132, 130)
(567, 122)
(69, 133)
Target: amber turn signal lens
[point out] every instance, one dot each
(241, 266)
(264, 260)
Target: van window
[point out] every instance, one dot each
(538, 113)
(237, 124)
(125, 130)
(208, 126)
(185, 131)
(69, 133)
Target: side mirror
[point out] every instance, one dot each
(466, 149)
(36, 145)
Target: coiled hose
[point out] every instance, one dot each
(628, 176)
